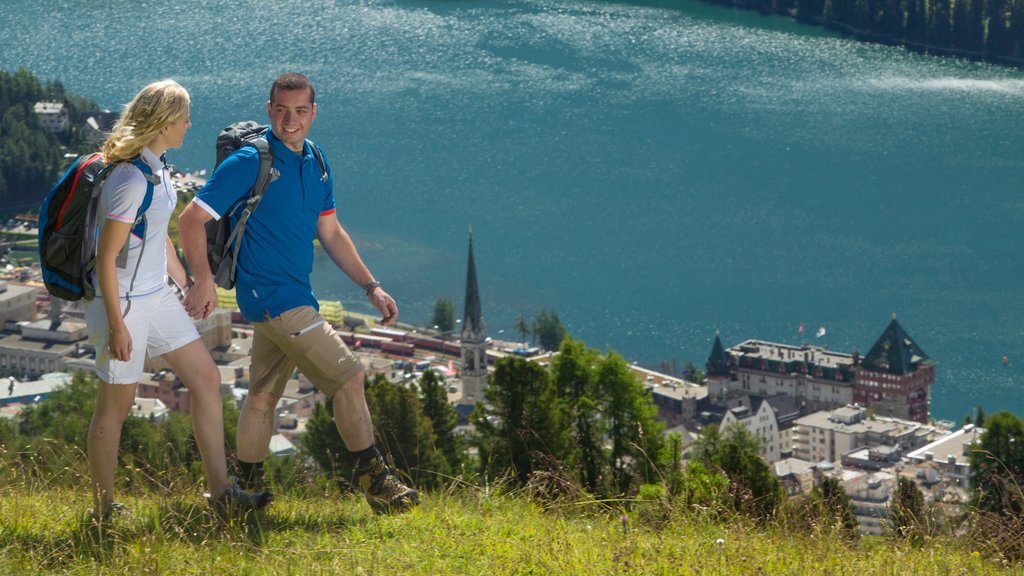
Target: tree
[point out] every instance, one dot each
(520, 426)
(573, 373)
(444, 315)
(670, 464)
(64, 415)
(324, 445)
(30, 158)
(633, 433)
(906, 511)
(549, 330)
(834, 506)
(443, 419)
(400, 430)
(522, 327)
(755, 489)
(997, 465)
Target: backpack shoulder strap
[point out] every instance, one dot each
(266, 174)
(319, 155)
(139, 228)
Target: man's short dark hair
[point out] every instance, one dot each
(293, 81)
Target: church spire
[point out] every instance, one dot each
(473, 316)
(474, 337)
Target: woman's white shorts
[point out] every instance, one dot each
(158, 324)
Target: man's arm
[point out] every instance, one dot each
(201, 299)
(343, 253)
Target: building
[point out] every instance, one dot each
(97, 125)
(150, 408)
(473, 339)
(759, 419)
(678, 402)
(19, 394)
(869, 495)
(43, 346)
(166, 387)
(53, 116)
(948, 459)
(796, 475)
(893, 379)
(829, 435)
(17, 303)
(895, 376)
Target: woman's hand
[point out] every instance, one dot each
(120, 343)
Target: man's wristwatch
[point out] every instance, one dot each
(371, 287)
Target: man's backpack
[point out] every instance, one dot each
(224, 240)
(68, 224)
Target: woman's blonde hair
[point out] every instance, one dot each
(154, 107)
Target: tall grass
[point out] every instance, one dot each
(467, 529)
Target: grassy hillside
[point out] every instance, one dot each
(470, 531)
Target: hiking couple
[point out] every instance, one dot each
(137, 311)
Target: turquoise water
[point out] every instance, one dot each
(654, 175)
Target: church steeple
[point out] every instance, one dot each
(473, 316)
(473, 338)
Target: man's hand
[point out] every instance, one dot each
(201, 299)
(382, 301)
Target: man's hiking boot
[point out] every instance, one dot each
(384, 492)
(235, 501)
(105, 516)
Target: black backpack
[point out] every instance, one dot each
(68, 223)
(223, 241)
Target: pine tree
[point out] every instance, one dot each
(549, 330)
(633, 433)
(443, 419)
(520, 426)
(834, 506)
(573, 373)
(997, 465)
(906, 511)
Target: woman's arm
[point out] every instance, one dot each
(113, 235)
(175, 270)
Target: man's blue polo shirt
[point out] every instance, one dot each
(276, 257)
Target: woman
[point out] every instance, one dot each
(136, 310)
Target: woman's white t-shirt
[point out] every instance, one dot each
(120, 199)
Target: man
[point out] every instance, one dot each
(274, 293)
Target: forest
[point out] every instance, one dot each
(991, 30)
(30, 159)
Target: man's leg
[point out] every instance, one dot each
(352, 416)
(269, 370)
(256, 426)
(383, 490)
(320, 353)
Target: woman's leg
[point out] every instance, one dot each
(193, 364)
(113, 403)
